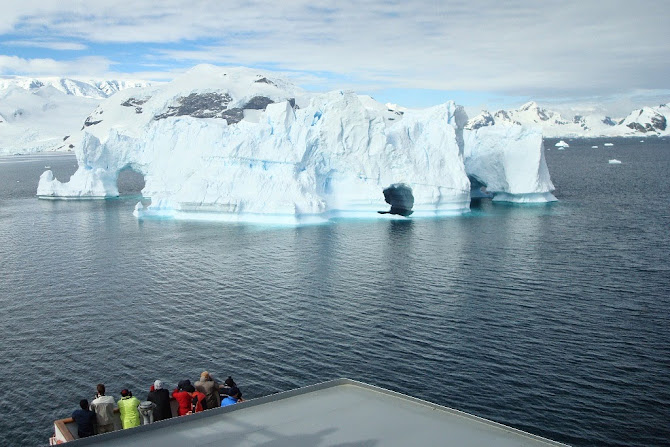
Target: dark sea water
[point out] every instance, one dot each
(554, 319)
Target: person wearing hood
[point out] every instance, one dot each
(161, 398)
(183, 397)
(128, 404)
(210, 388)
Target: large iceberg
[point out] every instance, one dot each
(231, 144)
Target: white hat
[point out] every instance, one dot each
(158, 385)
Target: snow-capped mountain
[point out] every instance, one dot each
(649, 120)
(645, 121)
(37, 114)
(91, 88)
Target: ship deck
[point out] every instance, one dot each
(337, 413)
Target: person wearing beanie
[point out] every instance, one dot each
(210, 388)
(228, 384)
(128, 404)
(161, 398)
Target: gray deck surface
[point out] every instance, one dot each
(339, 413)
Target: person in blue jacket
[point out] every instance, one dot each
(85, 420)
(234, 396)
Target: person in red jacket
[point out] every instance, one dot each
(199, 401)
(183, 397)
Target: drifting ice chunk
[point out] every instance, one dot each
(608, 144)
(562, 144)
(614, 161)
(85, 183)
(594, 147)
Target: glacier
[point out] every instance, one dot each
(237, 145)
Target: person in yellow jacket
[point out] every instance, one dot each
(130, 417)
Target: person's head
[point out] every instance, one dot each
(229, 382)
(83, 404)
(101, 389)
(189, 388)
(158, 385)
(126, 393)
(204, 376)
(235, 392)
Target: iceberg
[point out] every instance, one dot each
(614, 161)
(608, 144)
(230, 144)
(562, 144)
(508, 160)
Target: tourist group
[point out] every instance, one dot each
(98, 416)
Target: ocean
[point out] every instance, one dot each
(552, 318)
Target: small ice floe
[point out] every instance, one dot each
(608, 144)
(47, 167)
(614, 161)
(641, 141)
(594, 147)
(562, 144)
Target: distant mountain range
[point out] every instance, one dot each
(38, 114)
(645, 121)
(85, 88)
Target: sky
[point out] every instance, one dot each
(580, 56)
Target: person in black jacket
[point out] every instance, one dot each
(160, 397)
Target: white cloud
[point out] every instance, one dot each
(517, 47)
(48, 44)
(85, 66)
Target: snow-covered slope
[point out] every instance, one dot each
(37, 114)
(646, 121)
(232, 144)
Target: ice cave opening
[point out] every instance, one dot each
(130, 182)
(478, 189)
(401, 199)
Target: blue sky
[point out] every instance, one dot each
(585, 55)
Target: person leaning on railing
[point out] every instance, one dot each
(128, 404)
(104, 410)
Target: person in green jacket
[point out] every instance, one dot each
(130, 417)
